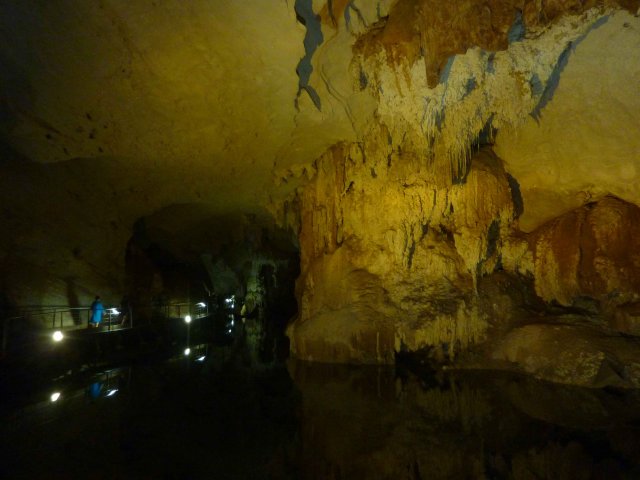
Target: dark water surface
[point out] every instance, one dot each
(189, 417)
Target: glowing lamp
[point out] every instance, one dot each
(55, 396)
(187, 319)
(57, 336)
(187, 352)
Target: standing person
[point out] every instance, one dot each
(97, 309)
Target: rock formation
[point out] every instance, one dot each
(405, 234)
(459, 179)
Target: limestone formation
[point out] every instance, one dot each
(383, 243)
(459, 179)
(593, 251)
(572, 354)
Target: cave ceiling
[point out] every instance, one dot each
(182, 87)
(246, 94)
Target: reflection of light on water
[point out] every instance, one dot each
(115, 311)
(55, 396)
(200, 359)
(230, 301)
(111, 392)
(201, 304)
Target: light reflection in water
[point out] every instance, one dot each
(319, 421)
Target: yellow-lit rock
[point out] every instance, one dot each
(585, 144)
(592, 251)
(435, 163)
(385, 254)
(576, 355)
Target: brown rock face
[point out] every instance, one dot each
(395, 261)
(592, 251)
(389, 258)
(626, 319)
(437, 30)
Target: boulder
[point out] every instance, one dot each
(571, 354)
(592, 251)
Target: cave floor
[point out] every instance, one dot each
(206, 415)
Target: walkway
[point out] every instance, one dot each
(75, 320)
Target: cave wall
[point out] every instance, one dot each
(384, 246)
(68, 224)
(448, 168)
(112, 111)
(448, 191)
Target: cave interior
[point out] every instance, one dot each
(450, 186)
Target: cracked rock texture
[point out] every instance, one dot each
(589, 252)
(405, 234)
(452, 172)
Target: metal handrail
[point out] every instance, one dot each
(58, 314)
(196, 310)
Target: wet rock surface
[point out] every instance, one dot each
(572, 354)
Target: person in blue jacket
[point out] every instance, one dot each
(97, 309)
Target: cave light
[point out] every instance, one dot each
(57, 336)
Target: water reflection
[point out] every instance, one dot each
(203, 416)
(374, 423)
